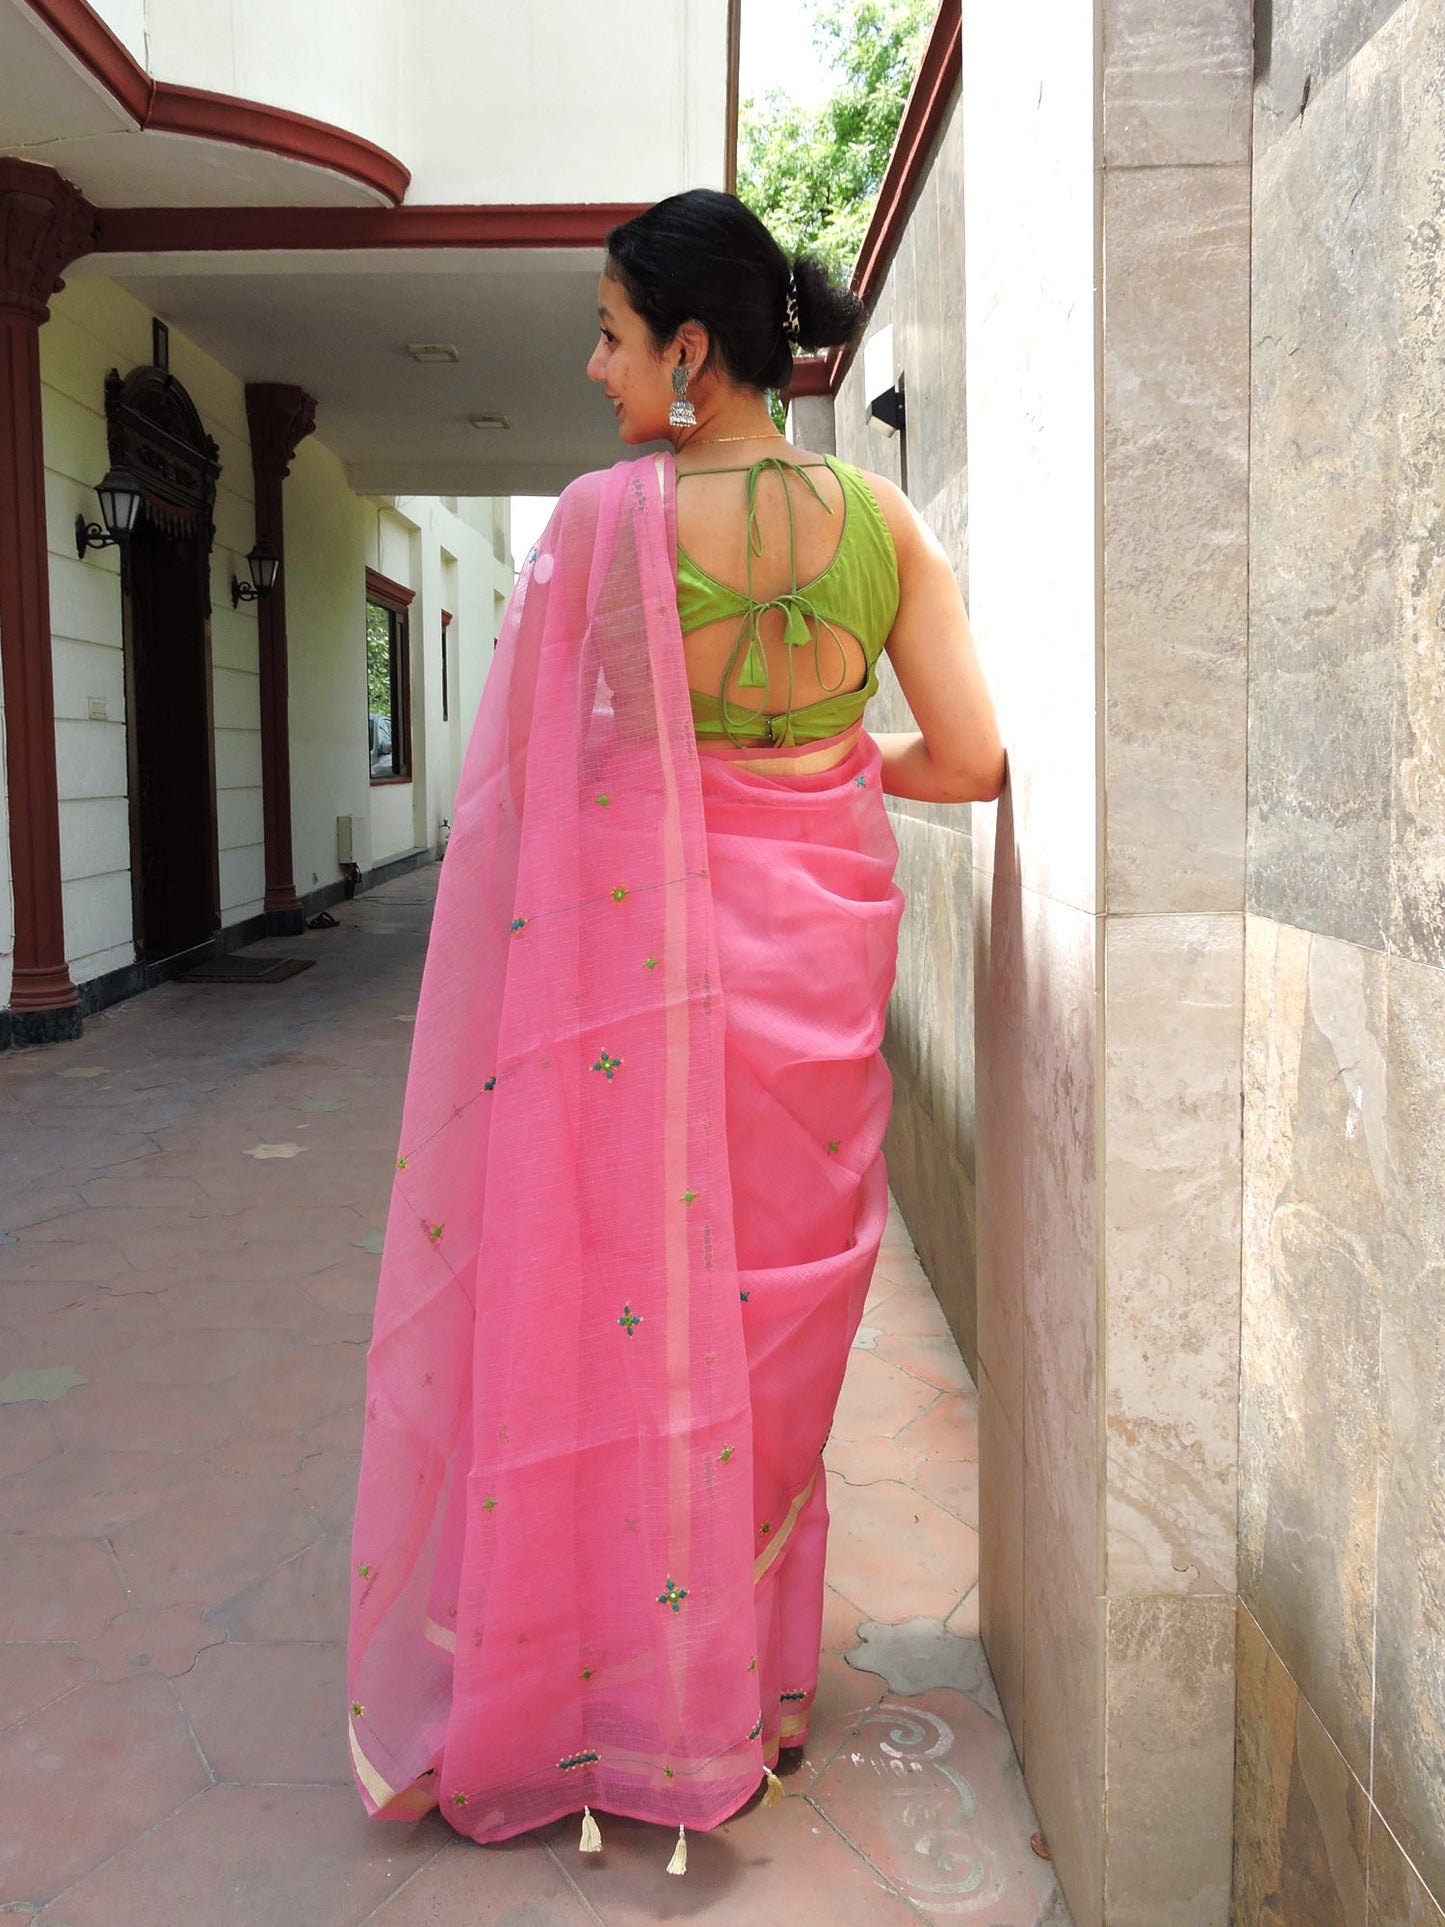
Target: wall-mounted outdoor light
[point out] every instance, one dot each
(883, 386)
(119, 496)
(264, 563)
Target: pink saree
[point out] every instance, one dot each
(637, 1202)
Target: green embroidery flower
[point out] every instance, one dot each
(630, 1320)
(363, 1572)
(726, 1454)
(619, 894)
(688, 1196)
(434, 1231)
(459, 1799)
(649, 963)
(489, 1504)
(603, 801)
(518, 925)
(766, 1527)
(401, 1164)
(833, 1144)
(586, 1673)
(357, 1709)
(607, 1065)
(673, 1596)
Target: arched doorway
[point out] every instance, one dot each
(154, 430)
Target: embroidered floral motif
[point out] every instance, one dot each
(434, 1231)
(758, 1728)
(603, 801)
(725, 1454)
(489, 1504)
(491, 1083)
(363, 1572)
(586, 1672)
(673, 1596)
(688, 1196)
(744, 1296)
(401, 1164)
(607, 1065)
(620, 893)
(577, 1759)
(753, 1664)
(518, 925)
(459, 1799)
(357, 1709)
(861, 781)
(670, 1772)
(630, 1320)
(833, 1144)
(766, 1527)
(649, 963)
(800, 1695)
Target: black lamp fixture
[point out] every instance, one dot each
(119, 496)
(264, 564)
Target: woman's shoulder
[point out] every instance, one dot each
(899, 515)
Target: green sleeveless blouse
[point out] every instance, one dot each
(857, 593)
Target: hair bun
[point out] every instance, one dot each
(829, 314)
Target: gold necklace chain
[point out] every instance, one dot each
(716, 441)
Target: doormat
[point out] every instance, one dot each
(238, 969)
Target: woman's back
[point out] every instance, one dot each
(787, 588)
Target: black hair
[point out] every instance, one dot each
(703, 256)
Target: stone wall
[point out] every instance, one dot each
(930, 1030)
(1340, 1791)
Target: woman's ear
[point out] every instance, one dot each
(692, 343)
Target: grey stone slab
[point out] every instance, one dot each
(1316, 1181)
(1001, 1554)
(1409, 1755)
(1302, 47)
(1173, 1011)
(1418, 856)
(1325, 483)
(1178, 81)
(1301, 1818)
(1176, 517)
(1169, 1761)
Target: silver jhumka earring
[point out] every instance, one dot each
(682, 414)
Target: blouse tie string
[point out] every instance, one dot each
(797, 609)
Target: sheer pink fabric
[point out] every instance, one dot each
(587, 1560)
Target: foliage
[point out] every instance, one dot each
(378, 659)
(813, 174)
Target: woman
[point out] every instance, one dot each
(639, 1190)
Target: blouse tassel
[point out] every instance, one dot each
(591, 1833)
(678, 1862)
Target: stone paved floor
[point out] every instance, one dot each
(192, 1198)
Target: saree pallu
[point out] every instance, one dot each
(586, 1564)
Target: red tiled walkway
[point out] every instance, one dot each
(191, 1199)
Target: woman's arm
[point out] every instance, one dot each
(957, 756)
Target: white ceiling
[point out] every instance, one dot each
(338, 325)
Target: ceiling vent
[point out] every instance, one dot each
(432, 351)
(490, 421)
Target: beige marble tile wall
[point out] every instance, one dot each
(1340, 1795)
(930, 1033)
(1107, 208)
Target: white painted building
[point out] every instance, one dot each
(258, 212)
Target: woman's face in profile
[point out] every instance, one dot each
(636, 379)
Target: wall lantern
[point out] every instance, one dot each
(119, 496)
(264, 564)
(883, 386)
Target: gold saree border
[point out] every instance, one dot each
(785, 1530)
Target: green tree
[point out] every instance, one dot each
(813, 174)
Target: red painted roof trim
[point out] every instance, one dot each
(938, 76)
(381, 588)
(171, 109)
(191, 230)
